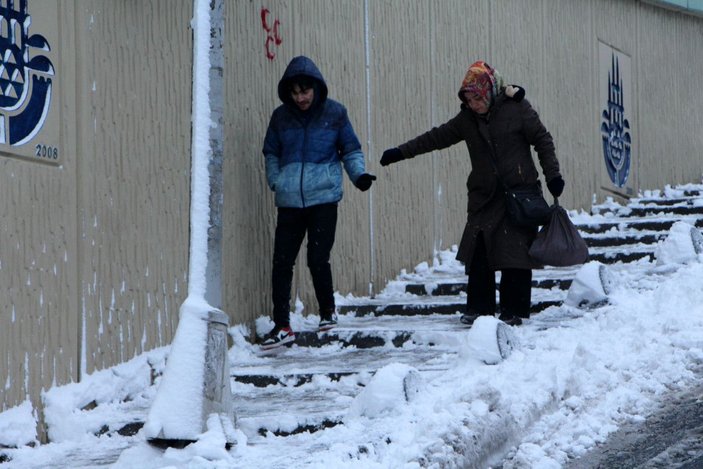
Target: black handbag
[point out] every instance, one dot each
(559, 243)
(526, 206)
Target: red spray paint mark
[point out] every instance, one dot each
(273, 37)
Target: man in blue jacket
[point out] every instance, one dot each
(309, 139)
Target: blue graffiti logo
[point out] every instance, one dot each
(24, 104)
(615, 130)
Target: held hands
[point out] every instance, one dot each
(363, 182)
(392, 155)
(556, 186)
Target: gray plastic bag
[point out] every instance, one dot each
(559, 243)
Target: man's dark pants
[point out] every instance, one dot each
(320, 223)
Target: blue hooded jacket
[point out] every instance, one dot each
(305, 150)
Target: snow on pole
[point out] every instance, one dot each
(195, 384)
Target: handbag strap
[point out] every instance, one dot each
(483, 130)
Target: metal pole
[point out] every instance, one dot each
(183, 411)
(213, 279)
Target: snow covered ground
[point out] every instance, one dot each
(575, 376)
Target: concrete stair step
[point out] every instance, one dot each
(285, 410)
(658, 210)
(615, 257)
(413, 309)
(380, 331)
(664, 202)
(266, 380)
(624, 224)
(456, 288)
(360, 340)
(289, 424)
(687, 197)
(654, 208)
(295, 365)
(302, 388)
(615, 241)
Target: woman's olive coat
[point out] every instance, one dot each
(506, 135)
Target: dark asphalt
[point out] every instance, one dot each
(670, 438)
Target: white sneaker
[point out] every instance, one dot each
(277, 337)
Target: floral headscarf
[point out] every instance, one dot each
(482, 80)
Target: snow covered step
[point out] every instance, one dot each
(383, 331)
(687, 199)
(295, 364)
(289, 424)
(555, 317)
(300, 389)
(284, 411)
(288, 410)
(410, 309)
(352, 338)
(622, 239)
(661, 225)
(649, 208)
(436, 289)
(613, 257)
(358, 339)
(659, 210)
(676, 197)
(456, 288)
(266, 380)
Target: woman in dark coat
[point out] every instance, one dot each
(497, 125)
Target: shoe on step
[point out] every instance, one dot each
(468, 319)
(327, 323)
(277, 337)
(511, 320)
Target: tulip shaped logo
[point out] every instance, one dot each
(25, 75)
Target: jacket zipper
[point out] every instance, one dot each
(302, 167)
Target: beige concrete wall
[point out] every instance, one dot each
(39, 308)
(670, 120)
(94, 252)
(133, 174)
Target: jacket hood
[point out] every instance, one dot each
(302, 66)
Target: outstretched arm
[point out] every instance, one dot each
(437, 138)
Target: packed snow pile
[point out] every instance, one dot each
(683, 244)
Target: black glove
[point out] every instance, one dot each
(364, 181)
(556, 186)
(392, 155)
(515, 92)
